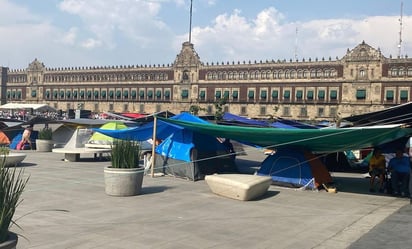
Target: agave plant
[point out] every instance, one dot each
(12, 184)
(46, 134)
(125, 154)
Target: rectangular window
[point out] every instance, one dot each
(321, 94)
(321, 112)
(263, 94)
(275, 94)
(209, 109)
(226, 94)
(235, 94)
(333, 94)
(360, 94)
(404, 94)
(185, 93)
(309, 94)
(218, 94)
(286, 94)
(262, 110)
(389, 95)
(303, 112)
(299, 94)
(251, 94)
(286, 111)
(243, 110)
(332, 112)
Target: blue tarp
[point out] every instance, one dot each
(145, 132)
(279, 123)
(176, 141)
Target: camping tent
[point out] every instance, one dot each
(295, 168)
(182, 152)
(103, 140)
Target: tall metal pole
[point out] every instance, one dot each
(190, 22)
(400, 32)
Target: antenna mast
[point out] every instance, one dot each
(190, 23)
(296, 44)
(400, 32)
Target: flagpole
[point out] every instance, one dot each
(190, 23)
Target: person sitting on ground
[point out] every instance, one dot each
(399, 167)
(377, 168)
(25, 138)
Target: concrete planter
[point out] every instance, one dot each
(44, 145)
(11, 243)
(123, 182)
(12, 159)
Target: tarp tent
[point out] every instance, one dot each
(193, 155)
(182, 152)
(34, 107)
(399, 114)
(100, 139)
(4, 139)
(295, 168)
(315, 140)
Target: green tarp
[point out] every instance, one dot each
(315, 140)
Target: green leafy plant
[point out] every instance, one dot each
(12, 184)
(4, 150)
(125, 154)
(45, 134)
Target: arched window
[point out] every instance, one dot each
(263, 75)
(362, 73)
(409, 71)
(394, 72)
(401, 71)
(280, 74)
(300, 74)
(319, 73)
(292, 74)
(287, 74)
(313, 73)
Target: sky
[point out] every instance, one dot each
(72, 33)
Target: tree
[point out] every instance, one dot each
(219, 108)
(194, 109)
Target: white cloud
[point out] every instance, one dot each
(268, 36)
(70, 36)
(115, 32)
(91, 43)
(106, 19)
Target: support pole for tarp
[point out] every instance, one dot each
(153, 159)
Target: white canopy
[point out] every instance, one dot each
(35, 107)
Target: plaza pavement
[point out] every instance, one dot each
(64, 206)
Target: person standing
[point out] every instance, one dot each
(377, 168)
(399, 167)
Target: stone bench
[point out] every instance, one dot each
(238, 186)
(73, 154)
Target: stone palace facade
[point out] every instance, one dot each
(363, 80)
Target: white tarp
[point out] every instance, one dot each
(35, 107)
